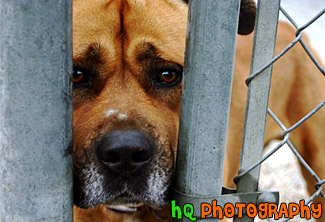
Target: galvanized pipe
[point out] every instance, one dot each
(258, 95)
(35, 111)
(208, 71)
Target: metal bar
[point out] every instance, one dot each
(257, 97)
(273, 60)
(35, 111)
(210, 52)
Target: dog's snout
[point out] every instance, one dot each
(125, 151)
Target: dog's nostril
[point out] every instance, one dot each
(113, 157)
(140, 157)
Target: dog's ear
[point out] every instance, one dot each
(246, 16)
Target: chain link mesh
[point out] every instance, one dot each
(319, 182)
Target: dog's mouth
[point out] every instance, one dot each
(123, 196)
(128, 203)
(125, 209)
(124, 204)
(125, 201)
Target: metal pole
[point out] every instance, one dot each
(209, 61)
(35, 111)
(258, 95)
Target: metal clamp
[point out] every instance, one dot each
(228, 196)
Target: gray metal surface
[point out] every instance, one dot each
(211, 37)
(258, 93)
(35, 111)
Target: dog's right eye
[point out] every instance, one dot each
(81, 76)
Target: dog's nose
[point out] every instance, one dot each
(125, 151)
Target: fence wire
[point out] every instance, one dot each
(319, 182)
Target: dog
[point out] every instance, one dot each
(128, 58)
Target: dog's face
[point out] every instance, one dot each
(128, 58)
(127, 88)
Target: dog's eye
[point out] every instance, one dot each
(164, 73)
(77, 76)
(168, 76)
(81, 76)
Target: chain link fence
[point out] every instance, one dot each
(319, 182)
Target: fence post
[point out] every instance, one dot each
(258, 95)
(35, 111)
(209, 61)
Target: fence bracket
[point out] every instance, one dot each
(228, 196)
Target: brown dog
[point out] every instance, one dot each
(128, 58)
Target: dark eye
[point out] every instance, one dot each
(164, 73)
(168, 77)
(81, 76)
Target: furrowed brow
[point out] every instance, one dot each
(92, 55)
(146, 50)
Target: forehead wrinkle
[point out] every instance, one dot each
(142, 48)
(96, 52)
(146, 50)
(88, 50)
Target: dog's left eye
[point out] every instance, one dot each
(168, 77)
(164, 73)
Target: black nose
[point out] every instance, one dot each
(125, 151)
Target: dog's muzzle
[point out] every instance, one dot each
(125, 168)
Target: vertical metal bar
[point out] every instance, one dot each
(35, 111)
(258, 94)
(209, 61)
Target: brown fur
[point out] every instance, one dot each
(125, 30)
